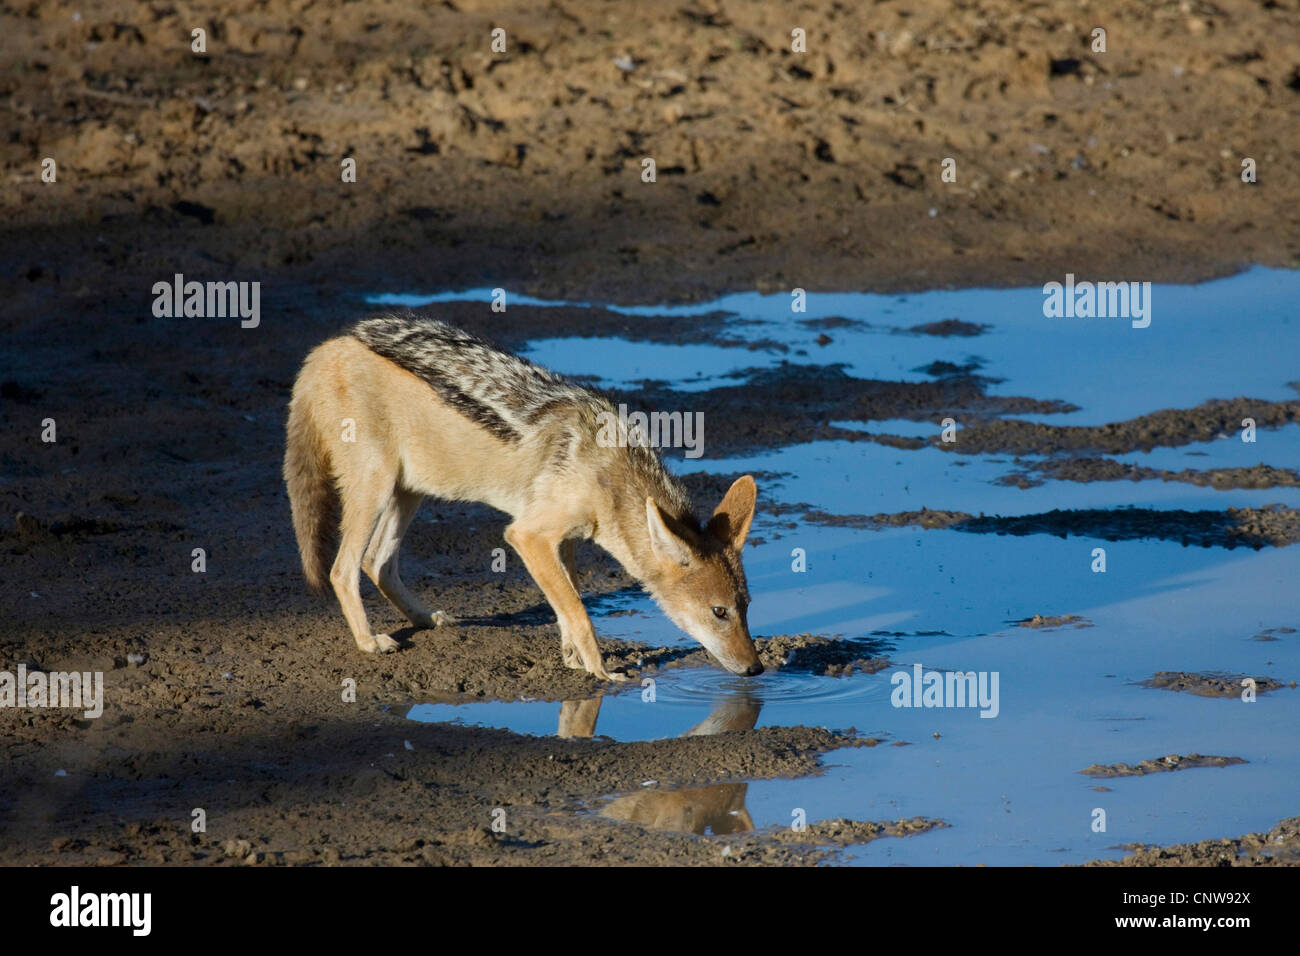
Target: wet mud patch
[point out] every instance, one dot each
(928, 518)
(1168, 427)
(791, 403)
(1272, 634)
(515, 327)
(1273, 525)
(1166, 764)
(1050, 623)
(942, 369)
(1032, 474)
(945, 328)
(1210, 684)
(578, 767)
(99, 795)
(719, 810)
(888, 439)
(708, 488)
(519, 657)
(843, 832)
(516, 655)
(824, 657)
(833, 322)
(1280, 846)
(797, 653)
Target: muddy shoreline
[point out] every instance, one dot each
(476, 168)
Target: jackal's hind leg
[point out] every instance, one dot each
(363, 504)
(381, 562)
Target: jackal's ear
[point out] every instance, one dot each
(730, 522)
(666, 545)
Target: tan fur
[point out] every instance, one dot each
(409, 444)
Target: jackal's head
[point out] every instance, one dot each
(699, 581)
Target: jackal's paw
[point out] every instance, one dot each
(571, 657)
(378, 644)
(617, 677)
(430, 619)
(433, 619)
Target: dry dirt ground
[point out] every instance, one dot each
(523, 169)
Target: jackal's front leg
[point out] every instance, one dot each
(568, 557)
(541, 555)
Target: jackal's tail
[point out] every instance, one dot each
(311, 493)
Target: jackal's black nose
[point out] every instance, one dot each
(754, 670)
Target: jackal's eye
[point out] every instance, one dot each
(720, 613)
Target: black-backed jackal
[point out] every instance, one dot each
(403, 408)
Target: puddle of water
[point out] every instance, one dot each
(1196, 348)
(687, 700)
(1009, 786)
(946, 585)
(1279, 445)
(623, 365)
(1276, 446)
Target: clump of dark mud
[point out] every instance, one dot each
(843, 832)
(1090, 469)
(1271, 525)
(1209, 684)
(834, 322)
(1168, 427)
(949, 327)
(1047, 622)
(823, 656)
(1256, 528)
(1280, 846)
(791, 404)
(941, 369)
(925, 517)
(1159, 765)
(892, 441)
(707, 488)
